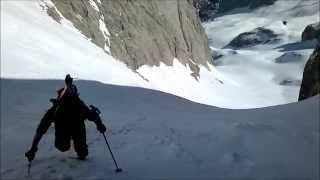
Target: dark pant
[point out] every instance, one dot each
(62, 142)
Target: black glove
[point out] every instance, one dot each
(101, 128)
(54, 101)
(31, 153)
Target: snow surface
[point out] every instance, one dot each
(105, 32)
(155, 135)
(255, 68)
(249, 79)
(47, 50)
(297, 13)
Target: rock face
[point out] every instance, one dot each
(257, 36)
(252, 4)
(311, 32)
(289, 57)
(290, 82)
(311, 76)
(142, 32)
(209, 8)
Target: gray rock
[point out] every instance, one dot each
(311, 76)
(256, 37)
(217, 56)
(311, 32)
(289, 57)
(143, 32)
(84, 17)
(227, 5)
(216, 59)
(208, 9)
(289, 82)
(52, 12)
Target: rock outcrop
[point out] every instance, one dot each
(257, 36)
(289, 57)
(311, 76)
(208, 9)
(252, 4)
(142, 32)
(311, 32)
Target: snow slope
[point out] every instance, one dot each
(256, 67)
(155, 135)
(297, 13)
(34, 46)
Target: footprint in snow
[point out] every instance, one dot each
(7, 171)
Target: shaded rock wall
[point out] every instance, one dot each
(311, 76)
(208, 9)
(311, 32)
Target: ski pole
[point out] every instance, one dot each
(115, 162)
(29, 168)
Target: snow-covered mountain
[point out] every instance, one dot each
(36, 46)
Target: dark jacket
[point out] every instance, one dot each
(68, 115)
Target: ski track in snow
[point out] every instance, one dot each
(157, 135)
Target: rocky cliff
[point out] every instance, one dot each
(311, 76)
(311, 32)
(141, 32)
(208, 9)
